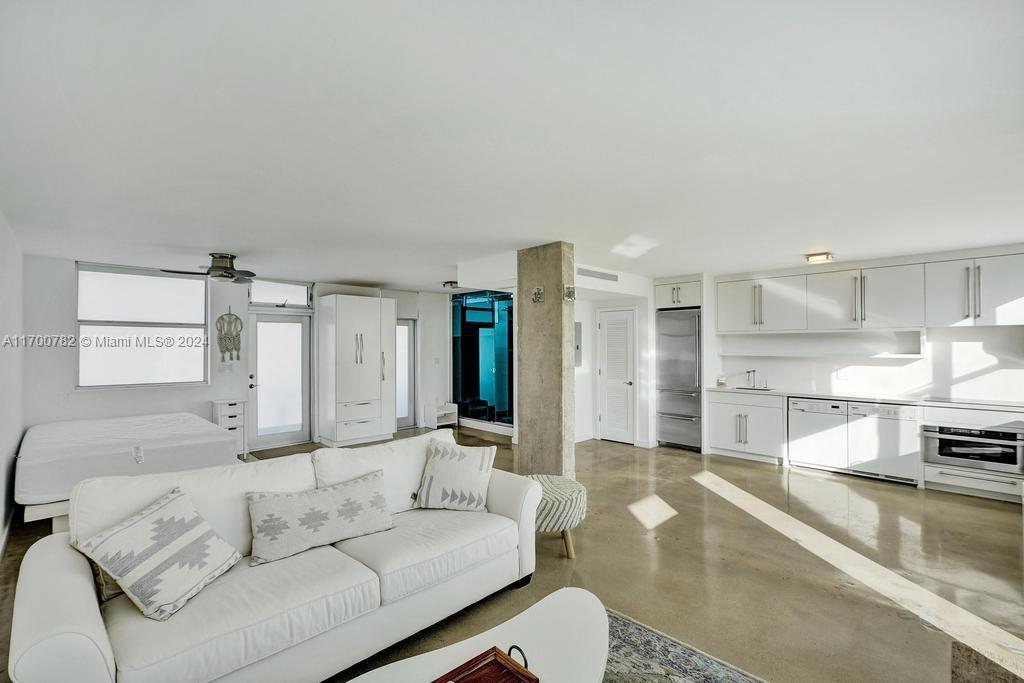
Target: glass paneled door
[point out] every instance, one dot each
(405, 373)
(278, 380)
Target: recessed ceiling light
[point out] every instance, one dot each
(820, 257)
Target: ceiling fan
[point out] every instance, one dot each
(222, 267)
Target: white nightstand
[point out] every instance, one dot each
(230, 415)
(444, 415)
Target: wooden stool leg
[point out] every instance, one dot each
(567, 539)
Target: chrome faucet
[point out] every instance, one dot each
(752, 379)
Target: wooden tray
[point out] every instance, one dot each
(493, 666)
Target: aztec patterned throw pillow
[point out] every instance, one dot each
(284, 524)
(163, 555)
(456, 477)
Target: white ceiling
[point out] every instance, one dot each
(381, 142)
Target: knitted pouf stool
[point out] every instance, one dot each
(563, 505)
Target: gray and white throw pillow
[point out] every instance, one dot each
(163, 555)
(284, 524)
(456, 477)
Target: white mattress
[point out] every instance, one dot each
(57, 455)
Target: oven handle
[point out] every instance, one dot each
(976, 450)
(973, 439)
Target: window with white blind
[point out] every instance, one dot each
(140, 327)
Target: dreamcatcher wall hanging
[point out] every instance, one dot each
(229, 336)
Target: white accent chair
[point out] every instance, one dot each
(303, 618)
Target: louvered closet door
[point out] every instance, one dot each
(616, 383)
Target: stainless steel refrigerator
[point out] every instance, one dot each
(679, 377)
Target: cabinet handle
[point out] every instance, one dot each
(853, 306)
(382, 363)
(967, 292)
(760, 303)
(1004, 482)
(739, 419)
(361, 348)
(977, 291)
(745, 428)
(356, 336)
(863, 297)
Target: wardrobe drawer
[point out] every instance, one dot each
(232, 420)
(358, 410)
(358, 429)
(230, 409)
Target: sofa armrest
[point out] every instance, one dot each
(57, 632)
(517, 498)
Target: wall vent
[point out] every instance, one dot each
(587, 272)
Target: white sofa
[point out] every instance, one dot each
(302, 618)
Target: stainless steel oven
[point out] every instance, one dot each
(984, 449)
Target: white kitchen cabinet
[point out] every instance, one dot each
(388, 355)
(744, 423)
(736, 306)
(782, 303)
(999, 290)
(892, 297)
(833, 300)
(677, 295)
(949, 293)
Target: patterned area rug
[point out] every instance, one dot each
(639, 653)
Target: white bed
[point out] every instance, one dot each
(57, 455)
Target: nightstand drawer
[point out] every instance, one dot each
(239, 434)
(232, 420)
(237, 408)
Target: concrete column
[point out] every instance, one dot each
(545, 404)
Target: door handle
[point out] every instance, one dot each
(628, 382)
(253, 386)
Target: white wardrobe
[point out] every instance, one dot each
(355, 369)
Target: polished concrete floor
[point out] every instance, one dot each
(720, 580)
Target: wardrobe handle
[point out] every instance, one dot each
(967, 292)
(357, 347)
(760, 303)
(361, 359)
(382, 363)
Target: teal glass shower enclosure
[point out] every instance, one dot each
(482, 356)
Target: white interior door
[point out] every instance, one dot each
(616, 388)
(278, 380)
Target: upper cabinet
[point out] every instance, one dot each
(782, 303)
(892, 297)
(833, 300)
(983, 291)
(999, 290)
(766, 304)
(677, 295)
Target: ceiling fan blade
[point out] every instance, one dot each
(244, 273)
(242, 280)
(183, 272)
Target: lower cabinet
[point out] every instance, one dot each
(747, 424)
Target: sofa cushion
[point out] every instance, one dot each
(218, 494)
(284, 524)
(162, 556)
(427, 547)
(402, 461)
(247, 614)
(456, 477)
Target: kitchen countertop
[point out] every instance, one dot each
(902, 400)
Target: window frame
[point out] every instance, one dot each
(267, 306)
(149, 272)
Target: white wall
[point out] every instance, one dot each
(433, 336)
(50, 374)
(981, 363)
(586, 374)
(11, 362)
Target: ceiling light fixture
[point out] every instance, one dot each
(820, 257)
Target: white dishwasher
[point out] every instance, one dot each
(817, 433)
(885, 440)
